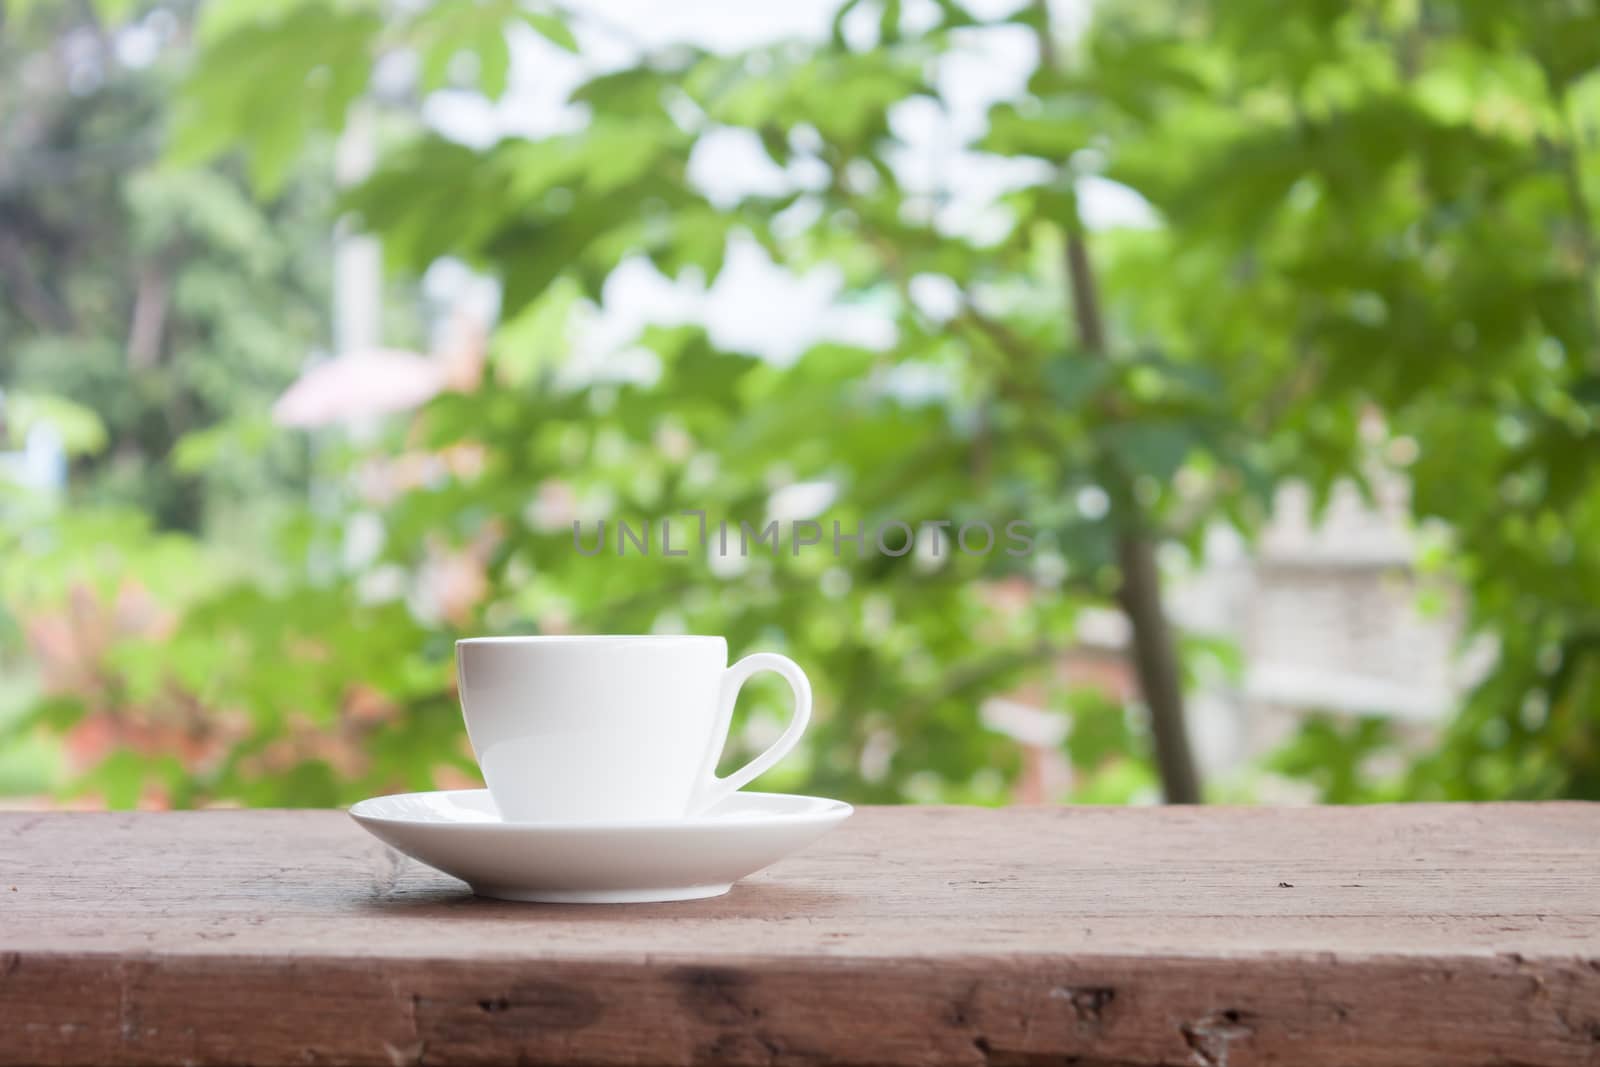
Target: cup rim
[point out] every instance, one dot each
(577, 639)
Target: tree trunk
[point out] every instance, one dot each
(1155, 657)
(150, 304)
(1156, 662)
(1154, 650)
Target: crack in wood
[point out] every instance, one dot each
(410, 1055)
(1088, 1002)
(715, 994)
(1211, 1038)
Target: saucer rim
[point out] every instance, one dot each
(832, 809)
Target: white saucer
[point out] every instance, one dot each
(460, 832)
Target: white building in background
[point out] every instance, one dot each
(1335, 616)
(1329, 615)
(1339, 618)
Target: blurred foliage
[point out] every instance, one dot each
(160, 300)
(1374, 228)
(1396, 200)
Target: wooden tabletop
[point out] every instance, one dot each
(1427, 935)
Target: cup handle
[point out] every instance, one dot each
(711, 788)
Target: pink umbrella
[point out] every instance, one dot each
(358, 386)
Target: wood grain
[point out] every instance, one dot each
(1420, 935)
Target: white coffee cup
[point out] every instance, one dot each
(611, 728)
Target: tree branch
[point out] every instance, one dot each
(1583, 220)
(150, 305)
(1155, 657)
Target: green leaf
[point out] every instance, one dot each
(836, 29)
(889, 23)
(114, 12)
(1075, 378)
(553, 29)
(1033, 14)
(201, 449)
(1332, 753)
(1148, 447)
(266, 85)
(81, 430)
(494, 66)
(57, 713)
(1100, 731)
(1051, 132)
(455, 29)
(120, 777)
